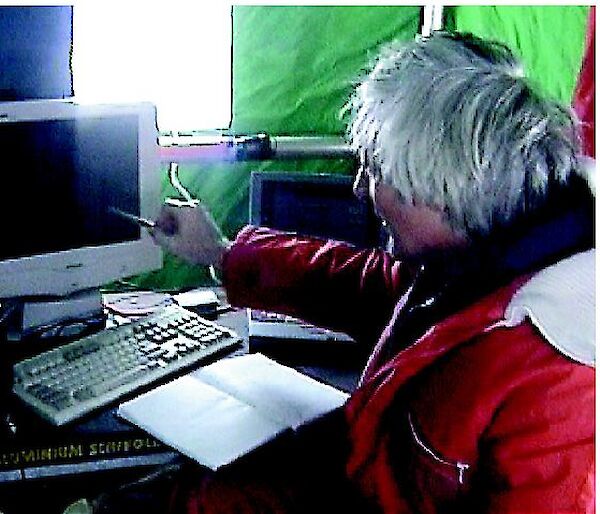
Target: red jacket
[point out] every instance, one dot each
(470, 417)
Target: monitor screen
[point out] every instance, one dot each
(321, 205)
(60, 194)
(65, 168)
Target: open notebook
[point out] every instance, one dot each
(222, 411)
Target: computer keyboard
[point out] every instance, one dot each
(68, 382)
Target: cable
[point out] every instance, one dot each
(176, 183)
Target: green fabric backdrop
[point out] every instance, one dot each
(549, 39)
(293, 68)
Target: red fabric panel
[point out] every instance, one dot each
(583, 101)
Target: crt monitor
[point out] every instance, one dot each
(65, 168)
(314, 204)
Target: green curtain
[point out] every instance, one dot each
(294, 66)
(549, 39)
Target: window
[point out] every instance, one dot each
(175, 55)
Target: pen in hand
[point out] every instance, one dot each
(144, 222)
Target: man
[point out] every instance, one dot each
(478, 395)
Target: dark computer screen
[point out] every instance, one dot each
(313, 204)
(60, 179)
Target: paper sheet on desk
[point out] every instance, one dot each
(222, 411)
(196, 297)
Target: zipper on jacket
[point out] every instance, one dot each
(462, 467)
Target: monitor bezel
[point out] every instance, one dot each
(259, 180)
(66, 272)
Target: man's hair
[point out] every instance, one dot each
(450, 122)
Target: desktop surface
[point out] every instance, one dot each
(30, 447)
(44, 468)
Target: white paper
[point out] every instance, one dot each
(278, 391)
(221, 412)
(196, 297)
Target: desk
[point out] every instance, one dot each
(49, 479)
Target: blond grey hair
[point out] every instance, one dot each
(450, 122)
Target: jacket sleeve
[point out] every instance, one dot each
(328, 283)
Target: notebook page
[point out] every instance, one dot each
(279, 392)
(200, 421)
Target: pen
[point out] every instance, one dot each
(144, 222)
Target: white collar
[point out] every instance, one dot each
(560, 302)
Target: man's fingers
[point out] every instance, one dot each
(166, 223)
(160, 238)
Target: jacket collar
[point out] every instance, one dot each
(560, 302)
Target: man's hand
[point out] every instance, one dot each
(190, 232)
